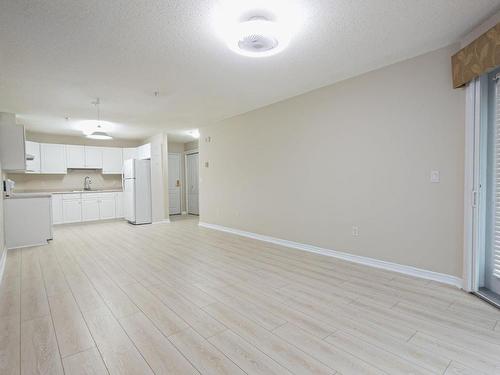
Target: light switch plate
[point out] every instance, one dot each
(435, 177)
(355, 231)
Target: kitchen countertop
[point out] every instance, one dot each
(67, 191)
(28, 195)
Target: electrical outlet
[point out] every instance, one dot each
(355, 231)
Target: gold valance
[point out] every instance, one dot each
(479, 57)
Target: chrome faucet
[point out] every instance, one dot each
(86, 183)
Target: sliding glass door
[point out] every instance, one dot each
(489, 190)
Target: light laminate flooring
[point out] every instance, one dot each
(179, 299)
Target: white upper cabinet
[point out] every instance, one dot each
(144, 151)
(49, 158)
(129, 153)
(75, 156)
(12, 143)
(52, 158)
(33, 151)
(112, 160)
(93, 157)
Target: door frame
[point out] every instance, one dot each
(179, 154)
(471, 180)
(186, 153)
(475, 188)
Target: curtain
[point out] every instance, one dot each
(479, 57)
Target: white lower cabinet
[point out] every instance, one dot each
(77, 207)
(57, 209)
(72, 210)
(90, 209)
(107, 208)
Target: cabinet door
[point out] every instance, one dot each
(53, 158)
(93, 157)
(129, 153)
(12, 143)
(72, 211)
(112, 160)
(90, 209)
(57, 209)
(75, 156)
(33, 149)
(107, 208)
(119, 205)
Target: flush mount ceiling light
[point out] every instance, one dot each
(258, 37)
(99, 133)
(258, 28)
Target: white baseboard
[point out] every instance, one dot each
(2, 263)
(395, 267)
(30, 245)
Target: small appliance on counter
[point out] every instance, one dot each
(8, 187)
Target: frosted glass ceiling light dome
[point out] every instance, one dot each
(258, 37)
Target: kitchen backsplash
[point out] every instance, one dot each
(71, 181)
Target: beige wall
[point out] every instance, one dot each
(159, 187)
(358, 152)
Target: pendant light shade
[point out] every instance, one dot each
(99, 133)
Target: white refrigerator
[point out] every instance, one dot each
(137, 191)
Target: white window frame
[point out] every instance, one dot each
(476, 117)
(471, 191)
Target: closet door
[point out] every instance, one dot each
(192, 183)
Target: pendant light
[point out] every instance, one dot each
(99, 133)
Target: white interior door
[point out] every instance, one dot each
(192, 182)
(174, 183)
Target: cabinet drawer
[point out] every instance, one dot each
(71, 196)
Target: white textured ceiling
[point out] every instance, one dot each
(56, 56)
